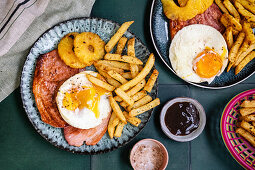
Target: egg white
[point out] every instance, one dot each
(188, 43)
(82, 118)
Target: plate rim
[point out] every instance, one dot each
(231, 102)
(39, 131)
(198, 85)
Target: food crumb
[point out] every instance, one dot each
(148, 157)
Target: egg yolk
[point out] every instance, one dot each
(207, 64)
(88, 97)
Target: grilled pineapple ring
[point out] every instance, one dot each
(190, 10)
(89, 47)
(66, 53)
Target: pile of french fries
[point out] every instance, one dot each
(246, 128)
(239, 19)
(125, 76)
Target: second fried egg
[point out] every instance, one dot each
(198, 53)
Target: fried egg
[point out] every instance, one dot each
(198, 53)
(82, 104)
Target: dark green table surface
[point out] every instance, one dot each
(21, 147)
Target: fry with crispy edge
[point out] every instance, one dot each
(117, 110)
(124, 58)
(133, 120)
(139, 103)
(247, 14)
(232, 10)
(241, 57)
(243, 63)
(247, 111)
(135, 97)
(121, 44)
(131, 52)
(228, 35)
(249, 33)
(234, 22)
(221, 6)
(235, 47)
(113, 122)
(100, 83)
(115, 38)
(182, 3)
(150, 83)
(106, 68)
(133, 91)
(144, 108)
(119, 129)
(117, 76)
(248, 103)
(127, 75)
(124, 96)
(248, 5)
(246, 135)
(109, 79)
(147, 68)
(249, 118)
(117, 64)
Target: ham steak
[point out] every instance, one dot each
(50, 73)
(210, 17)
(77, 137)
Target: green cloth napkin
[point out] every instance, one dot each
(28, 20)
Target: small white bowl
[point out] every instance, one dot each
(192, 135)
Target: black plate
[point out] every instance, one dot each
(159, 29)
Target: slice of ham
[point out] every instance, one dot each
(50, 73)
(210, 17)
(77, 137)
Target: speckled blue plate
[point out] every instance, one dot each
(46, 43)
(159, 29)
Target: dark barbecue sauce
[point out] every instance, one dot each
(182, 118)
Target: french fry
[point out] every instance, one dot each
(248, 127)
(113, 122)
(135, 97)
(182, 3)
(144, 108)
(232, 10)
(247, 14)
(121, 44)
(150, 83)
(242, 49)
(252, 24)
(147, 68)
(249, 33)
(141, 102)
(248, 103)
(246, 135)
(244, 54)
(247, 111)
(117, 64)
(228, 35)
(127, 75)
(235, 47)
(231, 21)
(106, 68)
(249, 118)
(230, 64)
(124, 96)
(117, 110)
(248, 5)
(119, 129)
(124, 58)
(115, 38)
(134, 70)
(140, 67)
(109, 79)
(117, 76)
(134, 90)
(133, 120)
(221, 6)
(100, 83)
(243, 63)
